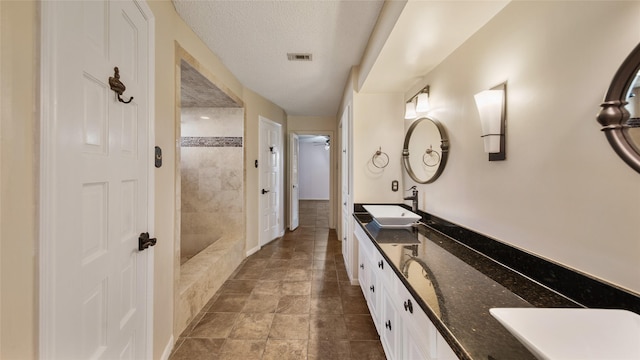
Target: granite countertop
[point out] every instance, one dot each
(456, 286)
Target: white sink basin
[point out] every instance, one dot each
(392, 215)
(574, 333)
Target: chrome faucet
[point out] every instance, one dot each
(413, 198)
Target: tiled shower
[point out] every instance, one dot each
(211, 177)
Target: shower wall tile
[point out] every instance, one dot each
(212, 173)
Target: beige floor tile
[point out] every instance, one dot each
(267, 287)
(296, 288)
(367, 350)
(360, 327)
(235, 286)
(325, 288)
(290, 327)
(251, 327)
(261, 303)
(328, 350)
(214, 325)
(285, 350)
(242, 349)
(327, 327)
(326, 305)
(298, 274)
(293, 304)
(290, 300)
(205, 349)
(229, 303)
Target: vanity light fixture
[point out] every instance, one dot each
(410, 111)
(419, 103)
(492, 109)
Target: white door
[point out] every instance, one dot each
(294, 194)
(270, 172)
(95, 181)
(349, 245)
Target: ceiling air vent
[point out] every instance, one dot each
(298, 57)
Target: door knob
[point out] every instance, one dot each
(264, 191)
(144, 241)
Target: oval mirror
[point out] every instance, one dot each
(620, 114)
(425, 151)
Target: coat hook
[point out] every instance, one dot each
(117, 85)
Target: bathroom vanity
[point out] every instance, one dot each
(429, 295)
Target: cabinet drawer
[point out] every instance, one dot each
(386, 273)
(364, 242)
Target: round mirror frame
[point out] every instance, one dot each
(614, 115)
(444, 147)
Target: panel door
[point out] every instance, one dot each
(294, 194)
(97, 171)
(270, 150)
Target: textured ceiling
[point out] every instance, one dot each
(252, 38)
(197, 91)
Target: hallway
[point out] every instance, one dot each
(290, 300)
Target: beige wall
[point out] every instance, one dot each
(18, 179)
(170, 29)
(18, 168)
(377, 124)
(320, 125)
(256, 106)
(562, 193)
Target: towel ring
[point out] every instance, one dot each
(380, 154)
(431, 157)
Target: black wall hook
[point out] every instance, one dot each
(117, 85)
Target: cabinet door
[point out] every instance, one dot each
(347, 247)
(391, 331)
(412, 349)
(363, 272)
(444, 351)
(420, 333)
(374, 297)
(419, 338)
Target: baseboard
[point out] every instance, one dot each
(253, 251)
(168, 349)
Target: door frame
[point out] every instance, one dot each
(332, 170)
(46, 165)
(262, 120)
(294, 160)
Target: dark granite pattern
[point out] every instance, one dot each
(465, 274)
(457, 286)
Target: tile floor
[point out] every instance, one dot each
(290, 300)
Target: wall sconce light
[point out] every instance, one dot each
(492, 109)
(420, 105)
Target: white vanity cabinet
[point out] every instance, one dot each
(405, 330)
(392, 327)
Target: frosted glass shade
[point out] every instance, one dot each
(410, 111)
(490, 104)
(422, 103)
